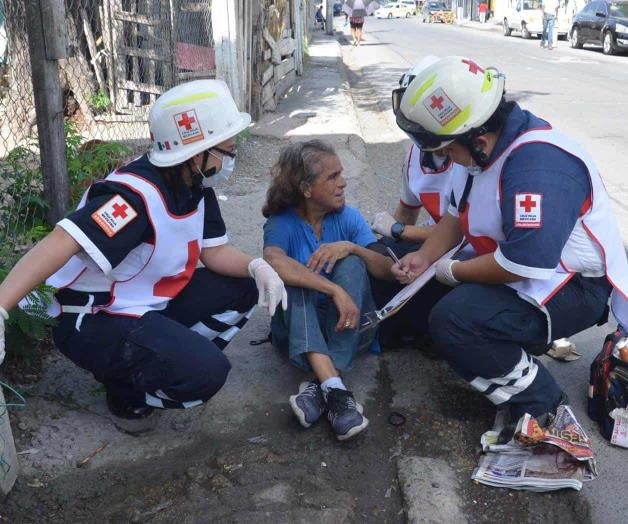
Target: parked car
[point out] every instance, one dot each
(601, 22)
(337, 9)
(430, 8)
(396, 10)
(527, 18)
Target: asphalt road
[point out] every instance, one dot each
(581, 92)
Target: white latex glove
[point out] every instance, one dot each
(444, 272)
(3, 316)
(382, 222)
(269, 286)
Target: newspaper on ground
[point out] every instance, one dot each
(538, 459)
(371, 319)
(620, 428)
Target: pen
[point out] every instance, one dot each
(394, 257)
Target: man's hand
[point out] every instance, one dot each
(382, 223)
(326, 256)
(3, 316)
(269, 286)
(444, 272)
(412, 266)
(348, 312)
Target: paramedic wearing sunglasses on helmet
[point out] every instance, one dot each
(131, 305)
(425, 184)
(535, 210)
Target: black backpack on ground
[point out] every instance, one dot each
(608, 384)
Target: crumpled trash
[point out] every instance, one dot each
(564, 349)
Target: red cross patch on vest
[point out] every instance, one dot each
(114, 215)
(528, 210)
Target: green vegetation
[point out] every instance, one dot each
(23, 208)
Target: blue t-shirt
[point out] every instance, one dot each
(563, 182)
(288, 231)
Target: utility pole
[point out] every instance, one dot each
(329, 24)
(45, 23)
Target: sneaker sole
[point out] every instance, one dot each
(298, 412)
(354, 431)
(296, 409)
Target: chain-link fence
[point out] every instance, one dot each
(122, 54)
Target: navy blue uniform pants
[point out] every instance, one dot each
(167, 359)
(485, 332)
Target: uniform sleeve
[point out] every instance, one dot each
(214, 230)
(111, 224)
(277, 234)
(359, 232)
(407, 198)
(543, 192)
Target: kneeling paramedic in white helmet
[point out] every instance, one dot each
(131, 305)
(425, 184)
(533, 206)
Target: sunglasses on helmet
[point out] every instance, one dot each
(420, 136)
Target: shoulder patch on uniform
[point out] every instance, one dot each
(528, 213)
(116, 214)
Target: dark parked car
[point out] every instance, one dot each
(431, 7)
(337, 9)
(601, 22)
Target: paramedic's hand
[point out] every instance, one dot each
(348, 312)
(269, 286)
(382, 223)
(444, 272)
(3, 316)
(326, 256)
(412, 265)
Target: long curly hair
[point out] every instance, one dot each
(298, 166)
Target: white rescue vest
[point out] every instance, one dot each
(151, 274)
(602, 241)
(431, 188)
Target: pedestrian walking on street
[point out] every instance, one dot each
(482, 10)
(535, 209)
(318, 246)
(357, 24)
(131, 305)
(549, 8)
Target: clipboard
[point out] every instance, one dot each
(371, 319)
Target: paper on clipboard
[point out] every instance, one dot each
(370, 320)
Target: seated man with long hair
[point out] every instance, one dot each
(318, 246)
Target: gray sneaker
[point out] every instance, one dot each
(345, 414)
(308, 405)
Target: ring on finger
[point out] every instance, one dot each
(347, 323)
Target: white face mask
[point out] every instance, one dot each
(226, 170)
(474, 170)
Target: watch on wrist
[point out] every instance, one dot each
(396, 230)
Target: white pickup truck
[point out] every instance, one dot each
(526, 17)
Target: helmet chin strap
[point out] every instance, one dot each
(479, 157)
(197, 173)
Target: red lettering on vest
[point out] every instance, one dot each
(482, 245)
(431, 203)
(170, 287)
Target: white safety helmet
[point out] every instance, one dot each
(447, 100)
(191, 118)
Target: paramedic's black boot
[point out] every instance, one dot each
(123, 410)
(544, 420)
